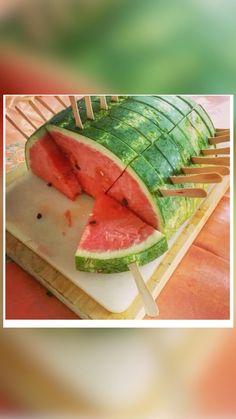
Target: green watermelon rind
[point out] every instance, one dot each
(125, 153)
(177, 103)
(148, 111)
(117, 261)
(138, 165)
(206, 119)
(95, 145)
(170, 151)
(159, 162)
(190, 102)
(170, 115)
(186, 149)
(124, 132)
(202, 113)
(65, 119)
(147, 173)
(177, 206)
(169, 211)
(200, 127)
(191, 133)
(137, 121)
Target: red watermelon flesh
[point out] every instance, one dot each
(127, 189)
(95, 171)
(114, 236)
(112, 226)
(98, 173)
(48, 162)
(69, 162)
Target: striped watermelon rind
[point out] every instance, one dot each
(118, 261)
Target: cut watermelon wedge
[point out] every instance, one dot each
(114, 237)
(47, 161)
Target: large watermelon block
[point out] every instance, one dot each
(127, 152)
(115, 237)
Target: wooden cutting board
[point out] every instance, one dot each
(45, 247)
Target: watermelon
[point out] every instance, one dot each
(115, 237)
(170, 151)
(136, 120)
(207, 121)
(139, 190)
(184, 144)
(169, 116)
(127, 152)
(190, 102)
(200, 128)
(124, 132)
(46, 160)
(178, 103)
(149, 110)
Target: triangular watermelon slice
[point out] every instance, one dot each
(114, 237)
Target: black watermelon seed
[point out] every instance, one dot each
(49, 184)
(49, 293)
(93, 222)
(39, 216)
(124, 202)
(77, 167)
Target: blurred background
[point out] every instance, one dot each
(150, 46)
(102, 46)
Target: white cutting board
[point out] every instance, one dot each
(55, 241)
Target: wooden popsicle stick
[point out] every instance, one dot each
(222, 161)
(37, 110)
(198, 178)
(149, 303)
(219, 133)
(115, 98)
(59, 99)
(43, 103)
(25, 117)
(222, 129)
(184, 192)
(103, 103)
(16, 127)
(216, 151)
(218, 140)
(222, 170)
(89, 108)
(75, 110)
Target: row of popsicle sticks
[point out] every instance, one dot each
(216, 161)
